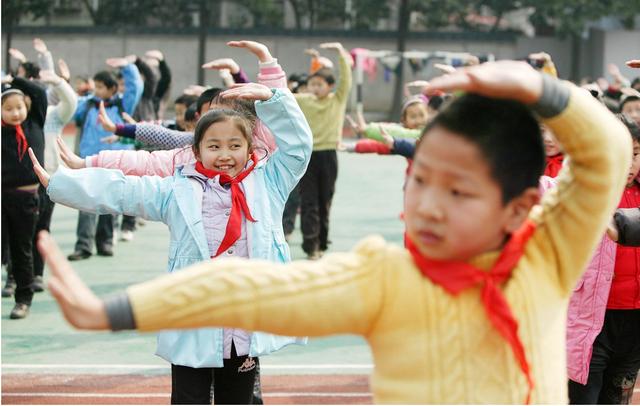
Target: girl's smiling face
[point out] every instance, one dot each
(223, 148)
(14, 109)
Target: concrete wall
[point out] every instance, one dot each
(85, 54)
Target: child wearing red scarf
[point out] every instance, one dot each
(474, 311)
(24, 107)
(227, 204)
(553, 152)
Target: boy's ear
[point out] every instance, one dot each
(196, 153)
(518, 208)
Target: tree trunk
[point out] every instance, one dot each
(92, 12)
(202, 39)
(403, 28)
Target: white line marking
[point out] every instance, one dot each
(166, 395)
(152, 366)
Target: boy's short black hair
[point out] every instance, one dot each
(107, 78)
(506, 133)
(186, 99)
(631, 125)
(32, 70)
(190, 113)
(207, 97)
(324, 73)
(436, 101)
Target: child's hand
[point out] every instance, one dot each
(503, 80)
(42, 175)
(104, 119)
(110, 139)
(260, 50)
(194, 90)
(64, 70)
(248, 91)
(336, 46)
(634, 63)
(154, 54)
(79, 305)
(16, 54)
(50, 77)
(613, 70)
(39, 45)
(357, 126)
(128, 119)
(443, 67)
(70, 159)
(612, 230)
(7, 79)
(223, 63)
(421, 84)
(120, 62)
(312, 52)
(386, 138)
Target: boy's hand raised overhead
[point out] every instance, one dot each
(249, 91)
(223, 63)
(80, 306)
(258, 49)
(502, 80)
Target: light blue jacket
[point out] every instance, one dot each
(87, 113)
(177, 202)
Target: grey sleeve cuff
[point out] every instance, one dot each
(628, 225)
(554, 99)
(119, 312)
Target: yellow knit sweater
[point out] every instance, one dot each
(326, 115)
(428, 346)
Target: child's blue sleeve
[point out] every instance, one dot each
(109, 191)
(133, 88)
(282, 115)
(81, 109)
(405, 147)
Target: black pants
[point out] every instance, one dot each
(93, 227)
(128, 223)
(19, 218)
(615, 362)
(291, 211)
(316, 193)
(44, 222)
(234, 382)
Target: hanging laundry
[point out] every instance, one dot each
(392, 64)
(369, 64)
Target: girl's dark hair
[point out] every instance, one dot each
(631, 125)
(324, 73)
(505, 132)
(242, 123)
(207, 97)
(186, 99)
(190, 113)
(107, 78)
(32, 70)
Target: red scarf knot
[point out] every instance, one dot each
(21, 139)
(238, 202)
(454, 277)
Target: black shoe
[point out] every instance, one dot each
(38, 284)
(105, 252)
(20, 311)
(78, 255)
(9, 287)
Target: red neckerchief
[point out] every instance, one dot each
(454, 277)
(21, 139)
(554, 164)
(238, 202)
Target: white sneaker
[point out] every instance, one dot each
(126, 235)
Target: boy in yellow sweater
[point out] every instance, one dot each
(324, 109)
(475, 310)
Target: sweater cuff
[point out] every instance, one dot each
(90, 161)
(119, 312)
(240, 77)
(554, 98)
(628, 225)
(126, 130)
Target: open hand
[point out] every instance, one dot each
(39, 46)
(259, 49)
(128, 119)
(248, 91)
(223, 63)
(154, 54)
(79, 305)
(386, 138)
(64, 70)
(104, 119)
(16, 54)
(70, 159)
(336, 46)
(120, 62)
(503, 80)
(634, 63)
(41, 173)
(50, 77)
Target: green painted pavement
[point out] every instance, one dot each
(368, 200)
